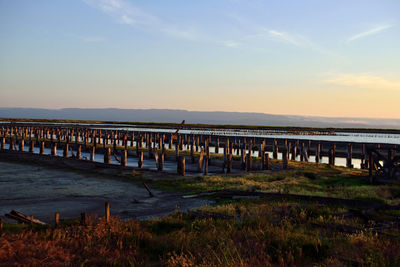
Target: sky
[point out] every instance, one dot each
(336, 58)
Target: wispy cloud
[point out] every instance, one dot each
(372, 31)
(93, 39)
(365, 81)
(231, 44)
(123, 11)
(286, 37)
(126, 13)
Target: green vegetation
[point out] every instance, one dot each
(233, 232)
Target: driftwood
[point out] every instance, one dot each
(22, 218)
(148, 189)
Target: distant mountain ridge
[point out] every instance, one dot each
(205, 117)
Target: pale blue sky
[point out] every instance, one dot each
(329, 58)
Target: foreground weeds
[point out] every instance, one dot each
(252, 233)
(234, 232)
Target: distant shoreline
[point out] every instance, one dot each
(165, 125)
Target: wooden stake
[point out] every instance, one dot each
(107, 207)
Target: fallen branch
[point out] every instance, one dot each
(22, 218)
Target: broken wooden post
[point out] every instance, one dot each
(349, 155)
(124, 157)
(285, 159)
(140, 160)
(56, 219)
(107, 211)
(206, 161)
(302, 151)
(181, 166)
(53, 149)
(265, 161)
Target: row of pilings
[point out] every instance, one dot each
(238, 152)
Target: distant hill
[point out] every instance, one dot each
(212, 117)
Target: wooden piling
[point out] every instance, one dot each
(275, 149)
(31, 146)
(92, 153)
(56, 219)
(200, 163)
(22, 144)
(318, 153)
(65, 152)
(349, 155)
(285, 159)
(181, 166)
(140, 160)
(229, 164)
(107, 211)
(53, 149)
(41, 151)
(78, 151)
(160, 162)
(107, 155)
(206, 161)
(124, 157)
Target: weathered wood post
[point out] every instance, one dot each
(78, 151)
(41, 151)
(243, 156)
(161, 162)
(181, 166)
(124, 157)
(192, 150)
(302, 151)
(206, 165)
(265, 162)
(275, 149)
(318, 153)
(371, 167)
(216, 145)
(140, 160)
(200, 163)
(349, 155)
(305, 153)
(92, 152)
(248, 161)
(107, 155)
(107, 211)
(31, 146)
(331, 157)
(3, 143)
(229, 164)
(53, 149)
(66, 148)
(22, 144)
(56, 219)
(177, 149)
(285, 159)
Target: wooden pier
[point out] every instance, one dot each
(226, 152)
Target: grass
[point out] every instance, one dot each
(247, 232)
